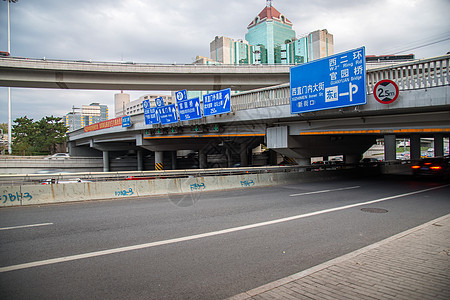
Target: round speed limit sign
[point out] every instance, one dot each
(385, 91)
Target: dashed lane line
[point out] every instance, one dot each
(326, 191)
(203, 235)
(25, 226)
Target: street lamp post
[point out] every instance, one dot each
(9, 88)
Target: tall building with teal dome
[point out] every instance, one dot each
(269, 31)
(270, 40)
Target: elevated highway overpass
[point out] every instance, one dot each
(263, 116)
(257, 116)
(57, 74)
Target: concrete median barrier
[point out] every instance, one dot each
(86, 191)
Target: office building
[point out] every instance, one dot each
(120, 103)
(86, 115)
(135, 107)
(270, 40)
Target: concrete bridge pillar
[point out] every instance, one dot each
(438, 144)
(244, 155)
(414, 145)
(202, 159)
(159, 160)
(174, 160)
(105, 161)
(273, 156)
(390, 147)
(229, 157)
(140, 160)
(352, 158)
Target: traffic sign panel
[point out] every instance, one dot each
(159, 102)
(190, 109)
(332, 82)
(168, 114)
(386, 91)
(181, 95)
(217, 103)
(150, 113)
(126, 121)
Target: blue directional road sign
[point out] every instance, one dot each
(331, 82)
(181, 95)
(189, 109)
(159, 102)
(150, 113)
(126, 121)
(217, 103)
(168, 114)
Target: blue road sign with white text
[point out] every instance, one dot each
(150, 113)
(190, 109)
(159, 102)
(217, 103)
(181, 95)
(126, 121)
(168, 114)
(331, 82)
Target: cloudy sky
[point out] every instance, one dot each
(168, 31)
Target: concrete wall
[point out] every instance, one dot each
(69, 192)
(33, 165)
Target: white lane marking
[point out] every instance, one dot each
(325, 191)
(199, 236)
(26, 226)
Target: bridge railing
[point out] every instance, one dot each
(273, 96)
(414, 75)
(420, 74)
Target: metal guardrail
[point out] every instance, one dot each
(420, 74)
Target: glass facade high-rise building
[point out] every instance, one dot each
(268, 31)
(270, 40)
(89, 114)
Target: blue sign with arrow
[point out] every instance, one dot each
(150, 113)
(189, 109)
(332, 82)
(168, 114)
(217, 103)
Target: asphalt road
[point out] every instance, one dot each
(202, 246)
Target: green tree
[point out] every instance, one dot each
(22, 135)
(3, 143)
(52, 132)
(4, 126)
(40, 137)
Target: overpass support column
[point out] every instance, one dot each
(174, 160)
(438, 144)
(202, 159)
(415, 147)
(159, 160)
(390, 147)
(229, 157)
(105, 161)
(352, 158)
(273, 158)
(140, 160)
(244, 155)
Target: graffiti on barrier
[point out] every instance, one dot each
(16, 197)
(125, 192)
(247, 183)
(198, 186)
